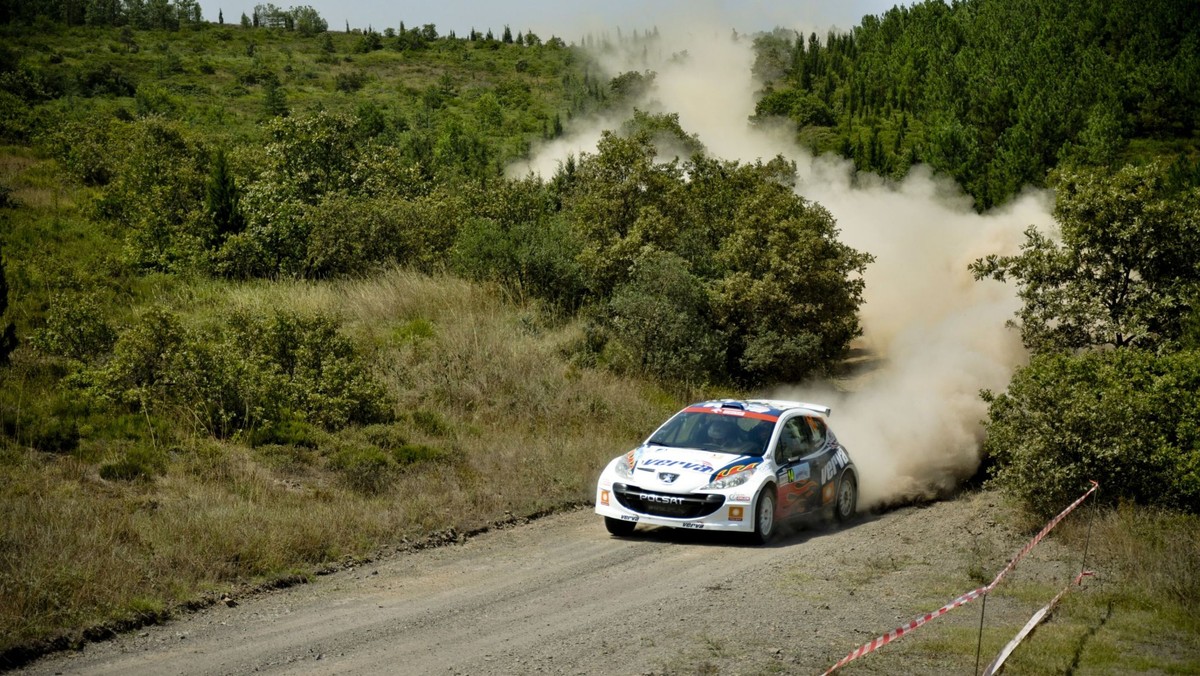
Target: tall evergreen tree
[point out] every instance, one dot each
(222, 202)
(8, 335)
(274, 100)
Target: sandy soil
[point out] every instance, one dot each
(560, 595)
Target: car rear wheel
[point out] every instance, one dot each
(618, 527)
(847, 498)
(764, 515)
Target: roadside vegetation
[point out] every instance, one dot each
(268, 301)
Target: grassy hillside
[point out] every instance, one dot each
(126, 487)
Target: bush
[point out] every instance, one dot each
(349, 81)
(365, 468)
(139, 462)
(1127, 418)
(286, 433)
(75, 328)
(661, 323)
(249, 373)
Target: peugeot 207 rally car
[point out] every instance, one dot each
(732, 466)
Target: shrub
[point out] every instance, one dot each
(139, 462)
(287, 433)
(349, 81)
(364, 468)
(1128, 419)
(75, 328)
(661, 322)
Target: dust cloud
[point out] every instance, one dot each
(933, 337)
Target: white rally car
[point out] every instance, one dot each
(731, 465)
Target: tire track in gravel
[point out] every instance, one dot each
(561, 596)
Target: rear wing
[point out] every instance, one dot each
(780, 404)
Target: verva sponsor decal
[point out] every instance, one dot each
(839, 460)
(682, 464)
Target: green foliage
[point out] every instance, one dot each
(249, 373)
(223, 200)
(1125, 271)
(76, 328)
(662, 324)
(286, 433)
(138, 463)
(274, 99)
(370, 460)
(1128, 419)
(8, 331)
(997, 92)
(783, 293)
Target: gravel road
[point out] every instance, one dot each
(559, 595)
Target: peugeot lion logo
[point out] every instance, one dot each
(667, 477)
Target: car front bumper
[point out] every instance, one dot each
(718, 511)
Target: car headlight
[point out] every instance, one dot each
(728, 482)
(622, 467)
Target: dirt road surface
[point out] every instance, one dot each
(560, 596)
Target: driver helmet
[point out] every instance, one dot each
(719, 430)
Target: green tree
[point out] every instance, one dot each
(308, 21)
(222, 201)
(790, 295)
(1125, 272)
(274, 99)
(1128, 419)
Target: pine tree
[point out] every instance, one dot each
(274, 101)
(222, 202)
(8, 336)
(507, 39)
(220, 17)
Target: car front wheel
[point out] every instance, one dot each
(618, 527)
(764, 515)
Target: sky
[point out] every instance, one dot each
(571, 20)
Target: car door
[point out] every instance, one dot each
(794, 455)
(828, 460)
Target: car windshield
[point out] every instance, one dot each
(714, 431)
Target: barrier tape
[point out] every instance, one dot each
(896, 633)
(1031, 625)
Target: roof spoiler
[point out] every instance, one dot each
(823, 410)
(781, 403)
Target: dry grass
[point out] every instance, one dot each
(483, 381)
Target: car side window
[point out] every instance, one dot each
(818, 431)
(795, 441)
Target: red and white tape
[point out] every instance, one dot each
(1031, 625)
(896, 633)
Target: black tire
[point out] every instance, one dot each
(618, 527)
(845, 503)
(764, 515)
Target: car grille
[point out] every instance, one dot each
(673, 505)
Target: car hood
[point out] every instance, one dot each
(685, 469)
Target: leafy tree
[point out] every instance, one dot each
(661, 323)
(1125, 272)
(1128, 419)
(789, 299)
(307, 21)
